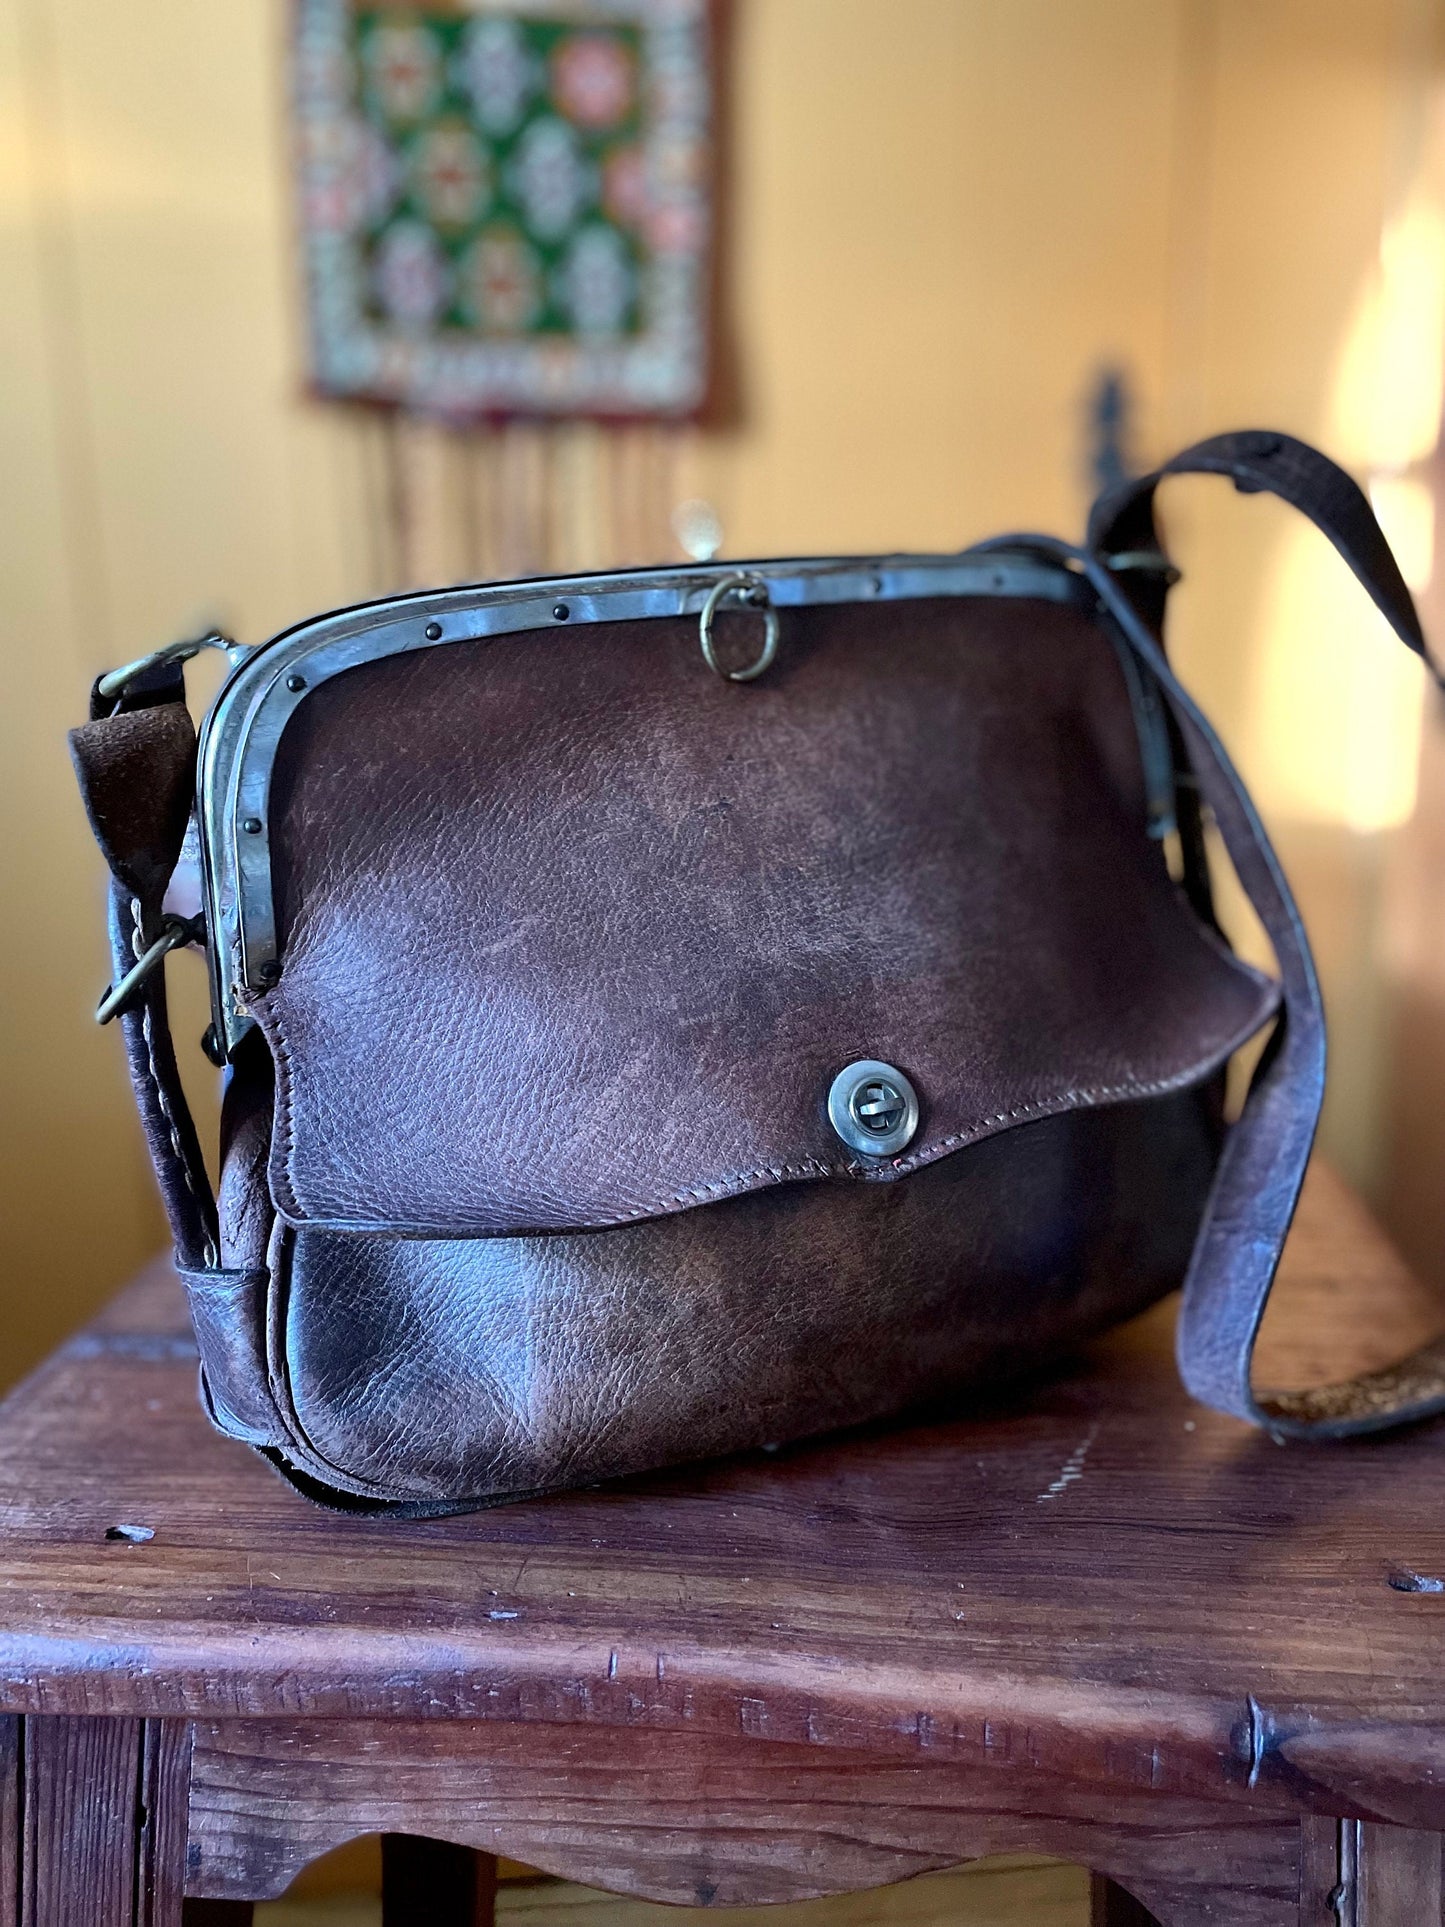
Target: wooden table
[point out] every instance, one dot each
(1096, 1621)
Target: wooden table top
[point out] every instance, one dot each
(1096, 1577)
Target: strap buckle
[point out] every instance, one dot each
(175, 931)
(115, 682)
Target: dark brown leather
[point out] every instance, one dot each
(136, 766)
(228, 1311)
(1264, 1160)
(230, 1302)
(136, 771)
(455, 1369)
(574, 936)
(1263, 461)
(597, 951)
(170, 1132)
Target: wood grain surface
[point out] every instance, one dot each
(78, 1826)
(702, 1821)
(9, 1822)
(1093, 1578)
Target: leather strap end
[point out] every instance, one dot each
(1263, 461)
(137, 776)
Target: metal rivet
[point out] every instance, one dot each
(433, 632)
(252, 826)
(270, 972)
(295, 684)
(873, 1108)
(561, 611)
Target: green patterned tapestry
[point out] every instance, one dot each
(505, 208)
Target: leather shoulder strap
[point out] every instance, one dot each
(136, 764)
(1264, 1160)
(1259, 461)
(137, 783)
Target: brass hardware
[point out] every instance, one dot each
(114, 684)
(175, 931)
(753, 594)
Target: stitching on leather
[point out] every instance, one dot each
(288, 1135)
(899, 1167)
(1081, 1096)
(158, 1089)
(1094, 1094)
(810, 1167)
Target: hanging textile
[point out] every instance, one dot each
(505, 208)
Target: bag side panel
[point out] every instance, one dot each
(229, 1306)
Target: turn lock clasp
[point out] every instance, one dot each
(750, 592)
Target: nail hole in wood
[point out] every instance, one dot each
(1403, 1580)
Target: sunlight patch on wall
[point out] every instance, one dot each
(1385, 404)
(1338, 704)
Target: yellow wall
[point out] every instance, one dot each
(944, 216)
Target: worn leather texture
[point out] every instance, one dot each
(455, 1369)
(135, 763)
(526, 1180)
(1263, 1163)
(228, 1313)
(136, 772)
(576, 933)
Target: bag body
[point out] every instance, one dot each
(679, 1011)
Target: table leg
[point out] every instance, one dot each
(102, 1822)
(430, 1883)
(1111, 1906)
(9, 1821)
(1361, 1873)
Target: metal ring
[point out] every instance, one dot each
(175, 931)
(758, 599)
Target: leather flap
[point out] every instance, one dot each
(574, 932)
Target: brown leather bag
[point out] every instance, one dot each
(675, 1012)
